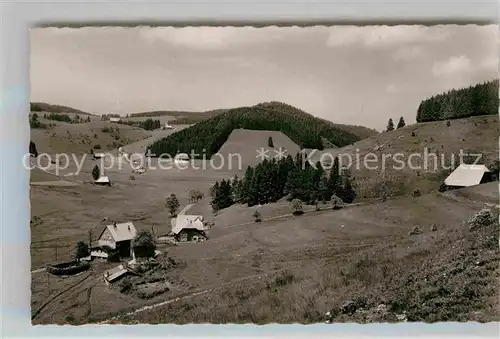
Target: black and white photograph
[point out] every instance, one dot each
(263, 175)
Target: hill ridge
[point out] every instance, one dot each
(209, 135)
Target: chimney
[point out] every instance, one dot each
(114, 224)
(128, 227)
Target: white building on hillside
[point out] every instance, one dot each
(181, 159)
(114, 119)
(468, 175)
(189, 228)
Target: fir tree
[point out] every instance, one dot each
(401, 123)
(270, 142)
(172, 204)
(32, 149)
(390, 125)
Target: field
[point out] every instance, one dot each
(79, 138)
(362, 251)
(286, 268)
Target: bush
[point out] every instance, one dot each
(337, 203)
(125, 285)
(113, 256)
(412, 134)
(257, 216)
(297, 207)
(195, 195)
(448, 123)
(416, 193)
(96, 172)
(153, 293)
(416, 230)
(132, 177)
(82, 250)
(97, 146)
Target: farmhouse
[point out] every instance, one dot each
(181, 159)
(189, 228)
(468, 175)
(103, 181)
(118, 237)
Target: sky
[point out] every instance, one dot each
(360, 75)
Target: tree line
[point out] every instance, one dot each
(271, 180)
(36, 123)
(148, 124)
(209, 135)
(481, 99)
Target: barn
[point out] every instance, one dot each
(189, 228)
(468, 175)
(118, 237)
(104, 180)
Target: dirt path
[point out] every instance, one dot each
(45, 304)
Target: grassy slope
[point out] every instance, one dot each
(80, 138)
(247, 142)
(476, 135)
(450, 274)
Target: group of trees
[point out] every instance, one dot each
(35, 122)
(148, 124)
(65, 118)
(481, 99)
(105, 117)
(274, 179)
(390, 124)
(209, 135)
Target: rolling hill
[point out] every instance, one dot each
(209, 135)
(189, 118)
(79, 138)
(45, 107)
(478, 135)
